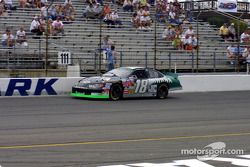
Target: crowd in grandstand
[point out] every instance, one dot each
(235, 50)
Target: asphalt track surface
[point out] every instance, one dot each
(67, 132)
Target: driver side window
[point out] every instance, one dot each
(140, 74)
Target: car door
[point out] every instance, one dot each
(141, 86)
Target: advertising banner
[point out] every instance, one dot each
(227, 5)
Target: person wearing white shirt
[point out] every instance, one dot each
(246, 54)
(187, 42)
(58, 26)
(35, 26)
(8, 40)
(189, 31)
(168, 33)
(245, 37)
(21, 37)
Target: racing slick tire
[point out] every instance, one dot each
(162, 91)
(116, 92)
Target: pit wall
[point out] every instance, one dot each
(62, 86)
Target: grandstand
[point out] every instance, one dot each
(137, 48)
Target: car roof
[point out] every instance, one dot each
(135, 68)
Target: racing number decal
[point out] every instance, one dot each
(141, 86)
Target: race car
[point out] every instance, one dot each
(228, 6)
(127, 82)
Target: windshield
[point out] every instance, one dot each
(120, 72)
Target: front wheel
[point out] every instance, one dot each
(116, 92)
(162, 91)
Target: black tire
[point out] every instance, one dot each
(116, 92)
(162, 91)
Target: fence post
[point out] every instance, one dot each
(248, 67)
(95, 63)
(192, 62)
(169, 62)
(146, 59)
(214, 66)
(121, 55)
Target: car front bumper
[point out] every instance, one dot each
(89, 93)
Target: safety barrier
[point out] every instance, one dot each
(62, 86)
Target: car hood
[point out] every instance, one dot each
(99, 79)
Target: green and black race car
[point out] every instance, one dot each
(127, 82)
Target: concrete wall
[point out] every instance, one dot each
(62, 86)
(206, 83)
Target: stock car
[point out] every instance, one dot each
(127, 82)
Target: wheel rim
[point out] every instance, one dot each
(162, 92)
(116, 92)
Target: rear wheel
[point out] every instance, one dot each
(116, 92)
(162, 91)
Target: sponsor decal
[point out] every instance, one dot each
(141, 86)
(23, 86)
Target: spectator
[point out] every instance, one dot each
(144, 3)
(177, 44)
(9, 5)
(50, 27)
(232, 32)
(43, 2)
(161, 11)
(36, 27)
(194, 42)
(52, 12)
(58, 26)
(178, 30)
(21, 38)
(145, 20)
(135, 3)
(107, 43)
(111, 58)
(187, 43)
(43, 12)
(177, 7)
(2, 9)
(59, 11)
(108, 19)
(68, 2)
(168, 33)
(106, 10)
(115, 18)
(97, 9)
(245, 37)
(224, 32)
(233, 52)
(8, 39)
(38, 3)
(127, 6)
(230, 54)
(69, 13)
(23, 3)
(189, 31)
(246, 54)
(135, 21)
(89, 11)
(30, 4)
(173, 18)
